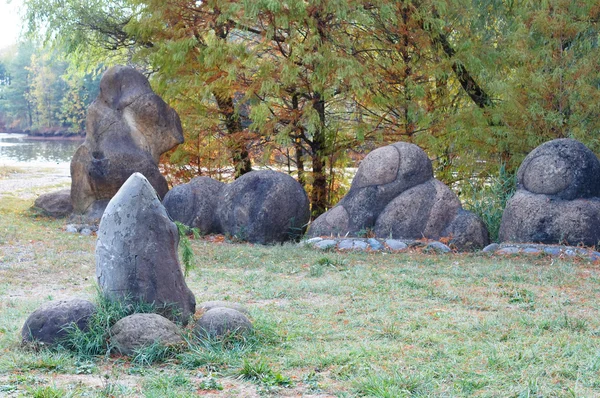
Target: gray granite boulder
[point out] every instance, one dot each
(557, 200)
(55, 204)
(128, 127)
(563, 168)
(194, 204)
(263, 207)
(136, 252)
(395, 195)
(49, 323)
(383, 174)
(422, 211)
(535, 218)
(142, 330)
(222, 321)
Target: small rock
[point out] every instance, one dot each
(438, 247)
(346, 244)
(396, 245)
(48, 323)
(141, 330)
(314, 240)
(595, 256)
(326, 244)
(508, 250)
(553, 251)
(86, 232)
(491, 248)
(222, 321)
(71, 228)
(209, 305)
(55, 204)
(360, 245)
(532, 250)
(375, 244)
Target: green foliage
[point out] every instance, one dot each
(95, 340)
(210, 383)
(261, 372)
(46, 392)
(187, 254)
(39, 91)
(157, 352)
(488, 198)
(312, 86)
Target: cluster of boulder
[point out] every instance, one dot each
(137, 262)
(394, 198)
(393, 195)
(260, 207)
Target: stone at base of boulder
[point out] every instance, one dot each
(55, 204)
(49, 323)
(222, 321)
(142, 330)
(92, 215)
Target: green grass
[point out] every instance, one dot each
(341, 324)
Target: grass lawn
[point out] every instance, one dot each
(327, 323)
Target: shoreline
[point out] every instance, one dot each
(41, 137)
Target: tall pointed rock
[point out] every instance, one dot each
(136, 252)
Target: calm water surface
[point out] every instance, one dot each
(20, 150)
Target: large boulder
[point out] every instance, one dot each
(194, 204)
(137, 331)
(261, 206)
(563, 168)
(264, 207)
(395, 195)
(558, 197)
(136, 252)
(55, 204)
(128, 127)
(50, 323)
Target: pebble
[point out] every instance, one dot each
(395, 245)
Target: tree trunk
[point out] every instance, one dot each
(235, 141)
(319, 186)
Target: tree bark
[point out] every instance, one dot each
(319, 186)
(235, 141)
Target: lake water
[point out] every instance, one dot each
(19, 150)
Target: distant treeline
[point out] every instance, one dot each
(40, 95)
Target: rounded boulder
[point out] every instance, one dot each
(564, 168)
(194, 204)
(264, 207)
(55, 204)
(221, 321)
(49, 324)
(142, 330)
